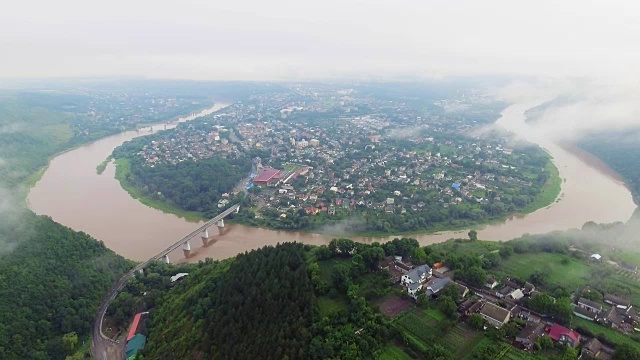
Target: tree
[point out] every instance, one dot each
(451, 290)
(626, 352)
(69, 342)
(538, 277)
(473, 235)
(490, 260)
(422, 300)
(476, 321)
(569, 353)
(447, 306)
(357, 264)
(474, 276)
(372, 256)
(506, 250)
(543, 343)
(419, 256)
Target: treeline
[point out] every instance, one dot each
(51, 284)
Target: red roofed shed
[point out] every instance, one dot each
(134, 326)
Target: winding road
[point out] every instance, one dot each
(105, 348)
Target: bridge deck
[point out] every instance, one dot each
(195, 233)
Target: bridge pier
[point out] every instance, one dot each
(205, 237)
(220, 223)
(166, 259)
(186, 247)
(237, 209)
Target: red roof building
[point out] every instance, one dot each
(134, 326)
(268, 176)
(563, 335)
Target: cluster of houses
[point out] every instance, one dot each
(497, 304)
(618, 313)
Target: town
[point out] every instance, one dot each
(322, 155)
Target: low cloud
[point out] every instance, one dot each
(586, 108)
(12, 128)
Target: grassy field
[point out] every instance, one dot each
(328, 306)
(123, 168)
(550, 191)
(103, 165)
(393, 353)
(572, 272)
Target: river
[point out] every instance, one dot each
(73, 194)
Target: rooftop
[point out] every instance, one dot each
(495, 312)
(267, 174)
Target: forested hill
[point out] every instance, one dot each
(261, 308)
(285, 302)
(621, 151)
(51, 284)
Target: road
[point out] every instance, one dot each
(104, 348)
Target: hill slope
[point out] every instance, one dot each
(261, 308)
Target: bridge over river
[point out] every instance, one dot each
(105, 348)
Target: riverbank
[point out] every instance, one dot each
(103, 165)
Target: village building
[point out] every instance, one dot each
(491, 283)
(527, 337)
(590, 306)
(495, 315)
(564, 336)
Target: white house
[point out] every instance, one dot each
(414, 278)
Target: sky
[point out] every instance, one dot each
(329, 39)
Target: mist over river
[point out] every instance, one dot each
(73, 194)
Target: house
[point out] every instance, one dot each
(528, 336)
(585, 314)
(413, 289)
(612, 319)
(516, 294)
(595, 257)
(591, 349)
(618, 302)
(495, 315)
(418, 274)
(469, 306)
(434, 286)
(590, 306)
(462, 290)
(404, 268)
(491, 282)
(529, 288)
(504, 292)
(563, 335)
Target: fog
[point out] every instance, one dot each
(585, 107)
(281, 40)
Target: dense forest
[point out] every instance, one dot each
(188, 185)
(260, 308)
(51, 284)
